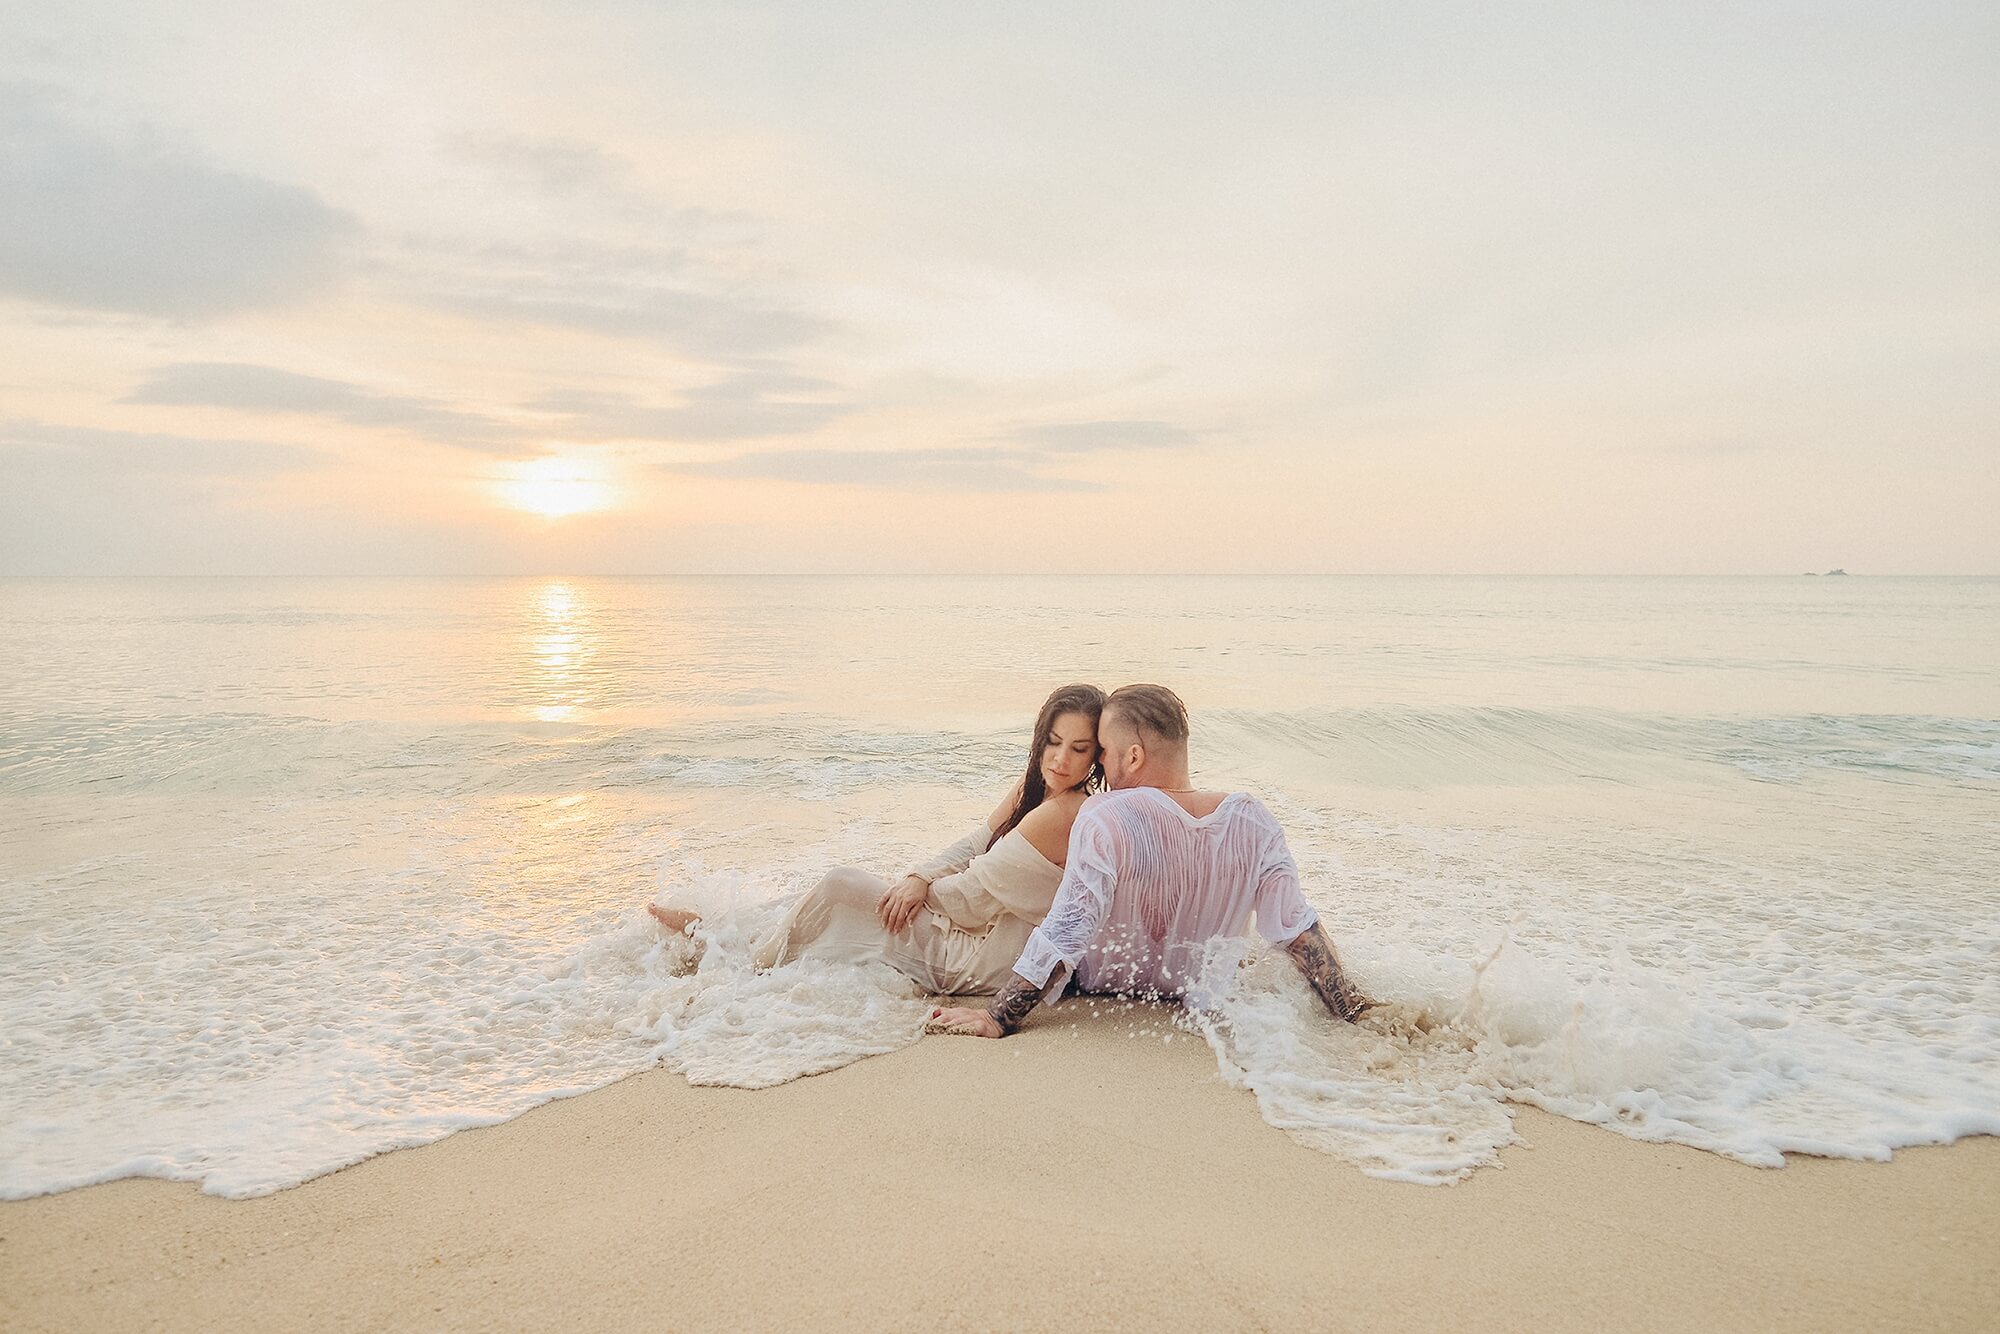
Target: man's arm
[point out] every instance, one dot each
(1013, 1004)
(1314, 954)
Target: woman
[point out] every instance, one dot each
(956, 924)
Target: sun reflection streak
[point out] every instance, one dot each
(560, 652)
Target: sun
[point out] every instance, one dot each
(555, 486)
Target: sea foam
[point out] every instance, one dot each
(1418, 1089)
(249, 1056)
(248, 1046)
(294, 873)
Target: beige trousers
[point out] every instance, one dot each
(837, 919)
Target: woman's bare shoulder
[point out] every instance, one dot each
(1072, 800)
(1057, 812)
(1047, 826)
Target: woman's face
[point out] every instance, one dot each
(1071, 751)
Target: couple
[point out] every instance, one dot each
(1119, 892)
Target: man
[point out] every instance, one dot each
(1157, 870)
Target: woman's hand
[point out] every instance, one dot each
(899, 906)
(971, 1023)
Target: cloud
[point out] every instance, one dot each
(554, 166)
(253, 388)
(142, 227)
(755, 402)
(82, 500)
(1092, 436)
(1029, 462)
(689, 321)
(80, 451)
(697, 305)
(747, 404)
(1717, 448)
(965, 469)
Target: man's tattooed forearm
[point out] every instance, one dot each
(1314, 955)
(1013, 1003)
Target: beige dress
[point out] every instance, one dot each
(983, 905)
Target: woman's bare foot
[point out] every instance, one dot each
(674, 919)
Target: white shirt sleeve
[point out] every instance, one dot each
(954, 858)
(1082, 902)
(1282, 911)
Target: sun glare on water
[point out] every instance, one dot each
(555, 487)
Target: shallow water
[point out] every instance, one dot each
(292, 871)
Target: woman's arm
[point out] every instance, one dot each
(953, 859)
(899, 906)
(980, 896)
(971, 911)
(965, 899)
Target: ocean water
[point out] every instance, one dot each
(294, 872)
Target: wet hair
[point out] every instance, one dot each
(1155, 711)
(1087, 700)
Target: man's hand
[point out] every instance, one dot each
(899, 906)
(997, 1020)
(972, 1023)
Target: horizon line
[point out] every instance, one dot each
(1013, 574)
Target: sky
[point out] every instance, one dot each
(651, 288)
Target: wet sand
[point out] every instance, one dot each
(1072, 1175)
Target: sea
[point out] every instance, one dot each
(294, 872)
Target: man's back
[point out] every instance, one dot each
(1150, 883)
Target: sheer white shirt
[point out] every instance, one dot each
(1148, 885)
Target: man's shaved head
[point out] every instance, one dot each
(1155, 713)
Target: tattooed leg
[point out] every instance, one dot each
(1013, 1003)
(1314, 954)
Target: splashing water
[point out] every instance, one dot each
(296, 872)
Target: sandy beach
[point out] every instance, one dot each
(1089, 1172)
(925, 496)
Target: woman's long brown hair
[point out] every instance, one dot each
(1087, 700)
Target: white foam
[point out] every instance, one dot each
(1418, 1090)
(275, 898)
(1400, 1095)
(247, 994)
(250, 1045)
(720, 1021)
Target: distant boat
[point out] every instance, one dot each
(1836, 572)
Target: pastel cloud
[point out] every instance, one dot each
(1090, 436)
(937, 469)
(1034, 463)
(749, 403)
(252, 388)
(553, 166)
(34, 446)
(667, 295)
(142, 226)
(1340, 289)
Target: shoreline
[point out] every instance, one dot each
(1082, 1171)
